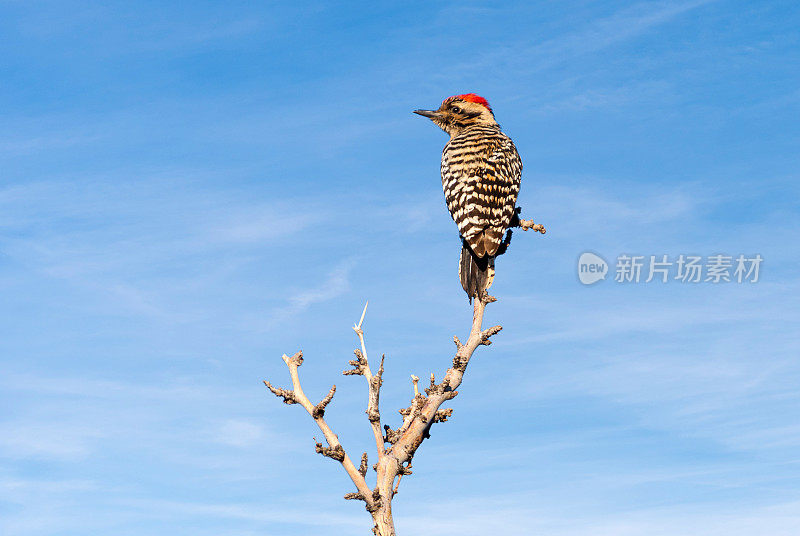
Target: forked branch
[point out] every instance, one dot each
(424, 410)
(334, 450)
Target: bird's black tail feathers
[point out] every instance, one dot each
(476, 273)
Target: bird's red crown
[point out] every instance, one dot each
(471, 97)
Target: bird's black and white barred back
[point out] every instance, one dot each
(480, 178)
(481, 172)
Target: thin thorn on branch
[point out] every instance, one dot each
(357, 327)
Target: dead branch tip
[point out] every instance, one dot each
(335, 453)
(287, 395)
(319, 409)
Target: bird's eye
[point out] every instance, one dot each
(456, 110)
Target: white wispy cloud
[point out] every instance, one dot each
(240, 433)
(51, 440)
(143, 236)
(592, 36)
(336, 284)
(528, 513)
(125, 230)
(42, 386)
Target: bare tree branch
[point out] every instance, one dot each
(529, 225)
(442, 415)
(334, 453)
(374, 383)
(288, 396)
(525, 225)
(334, 449)
(319, 409)
(424, 410)
(420, 415)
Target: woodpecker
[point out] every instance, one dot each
(480, 177)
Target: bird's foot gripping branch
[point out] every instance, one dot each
(395, 447)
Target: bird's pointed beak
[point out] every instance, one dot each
(430, 114)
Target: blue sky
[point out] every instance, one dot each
(189, 190)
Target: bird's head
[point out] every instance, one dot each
(460, 112)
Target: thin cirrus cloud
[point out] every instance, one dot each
(56, 441)
(240, 433)
(593, 37)
(184, 194)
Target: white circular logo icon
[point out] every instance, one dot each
(591, 268)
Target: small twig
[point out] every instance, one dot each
(288, 396)
(487, 333)
(335, 453)
(424, 411)
(525, 225)
(529, 225)
(319, 409)
(397, 484)
(363, 313)
(442, 415)
(374, 382)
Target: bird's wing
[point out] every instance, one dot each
(482, 193)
